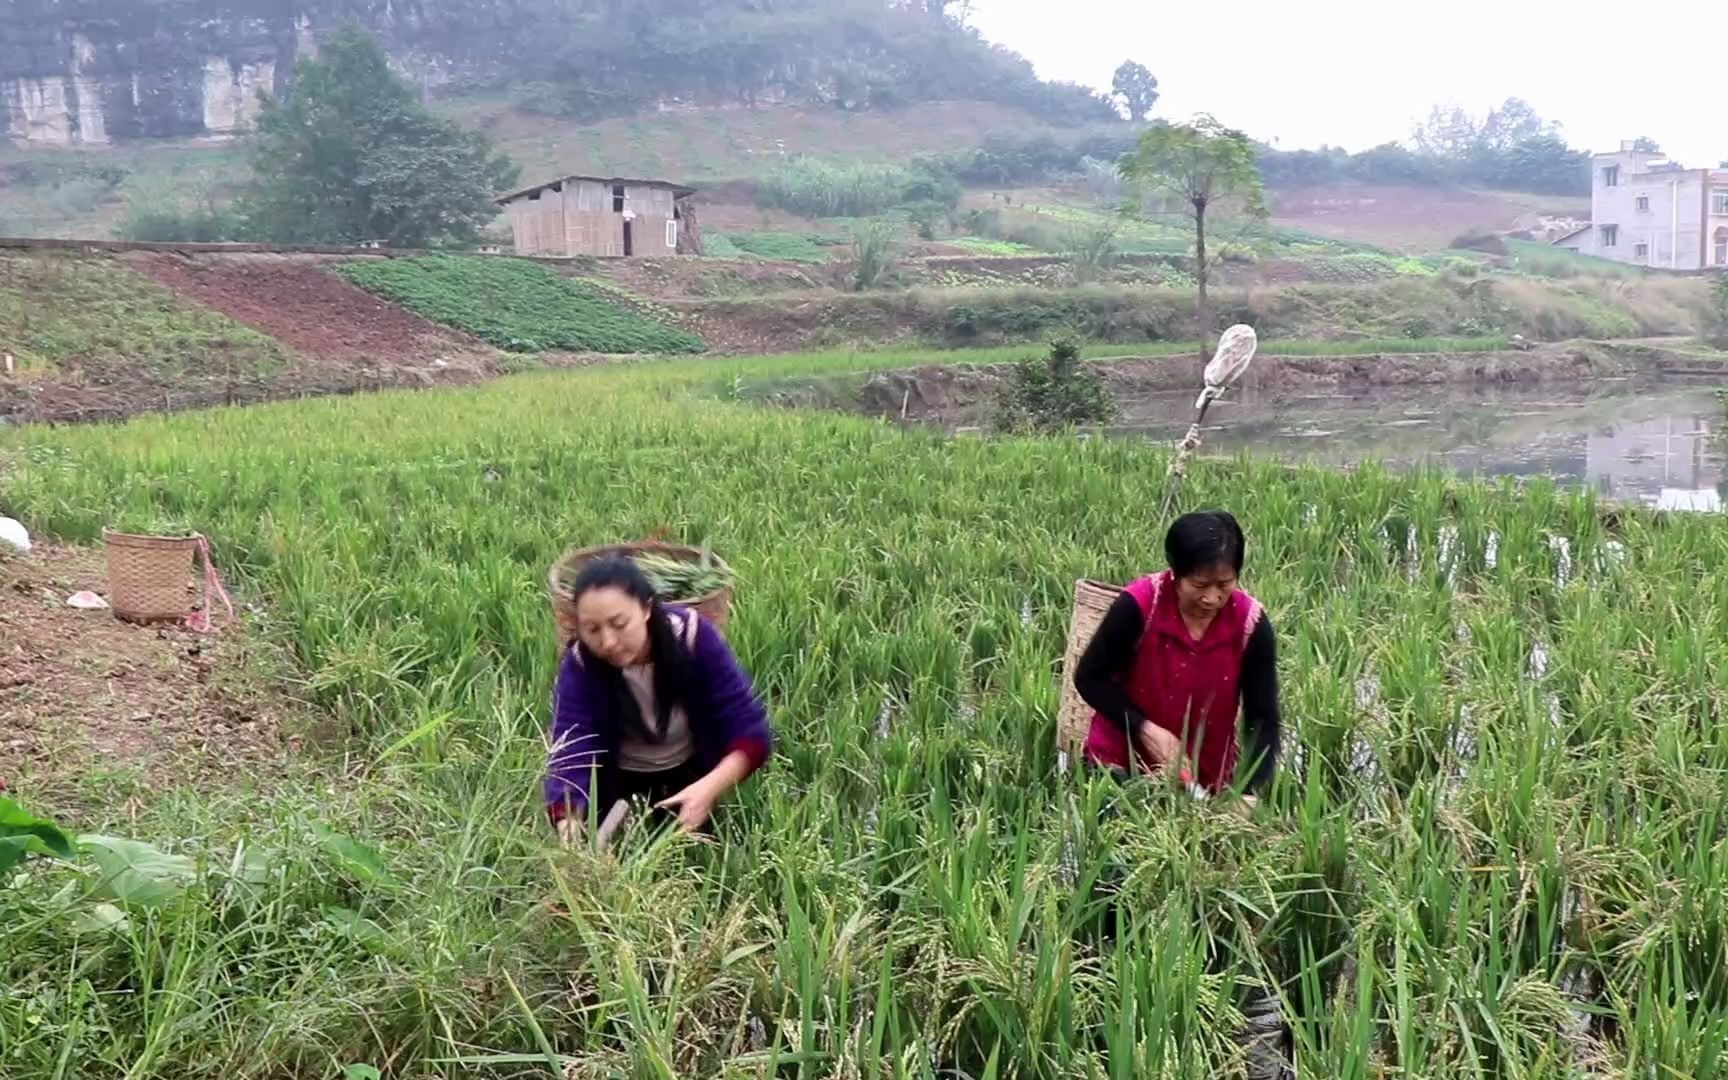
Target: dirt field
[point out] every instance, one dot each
(116, 335)
(87, 701)
(273, 293)
(1414, 219)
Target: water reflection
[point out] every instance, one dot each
(1662, 445)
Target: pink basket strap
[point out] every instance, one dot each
(199, 621)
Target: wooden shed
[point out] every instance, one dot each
(603, 215)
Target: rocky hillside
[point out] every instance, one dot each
(95, 72)
(92, 72)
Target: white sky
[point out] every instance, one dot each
(1355, 73)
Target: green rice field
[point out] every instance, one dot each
(1497, 846)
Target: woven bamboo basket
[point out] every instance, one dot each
(1092, 600)
(716, 607)
(150, 577)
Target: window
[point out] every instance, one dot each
(1610, 235)
(1611, 176)
(617, 198)
(1719, 201)
(1722, 252)
(1643, 204)
(1642, 251)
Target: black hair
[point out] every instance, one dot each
(667, 653)
(1205, 538)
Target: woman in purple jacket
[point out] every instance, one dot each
(649, 702)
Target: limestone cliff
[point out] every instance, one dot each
(89, 72)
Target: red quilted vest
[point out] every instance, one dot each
(1189, 688)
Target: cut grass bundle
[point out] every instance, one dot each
(679, 581)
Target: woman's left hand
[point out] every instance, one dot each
(693, 805)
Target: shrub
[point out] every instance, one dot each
(185, 213)
(1488, 243)
(1716, 316)
(516, 305)
(1054, 393)
(205, 225)
(1094, 250)
(873, 256)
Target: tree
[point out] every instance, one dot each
(1205, 166)
(1448, 133)
(1511, 147)
(1644, 144)
(1137, 90)
(939, 10)
(353, 155)
(1054, 393)
(1544, 163)
(1510, 124)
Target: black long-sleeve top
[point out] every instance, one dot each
(1111, 653)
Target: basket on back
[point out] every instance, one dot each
(1092, 600)
(716, 606)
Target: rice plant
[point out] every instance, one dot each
(1467, 867)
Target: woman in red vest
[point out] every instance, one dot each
(1178, 657)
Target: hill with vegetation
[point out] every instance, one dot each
(709, 93)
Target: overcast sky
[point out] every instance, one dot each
(1360, 72)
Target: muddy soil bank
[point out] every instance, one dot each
(956, 393)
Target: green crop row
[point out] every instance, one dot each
(1495, 848)
(516, 305)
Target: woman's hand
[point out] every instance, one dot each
(694, 804)
(573, 828)
(569, 830)
(1157, 748)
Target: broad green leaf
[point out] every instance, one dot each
(359, 860)
(361, 1072)
(14, 848)
(19, 825)
(249, 875)
(103, 918)
(354, 925)
(136, 874)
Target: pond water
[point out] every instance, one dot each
(1664, 445)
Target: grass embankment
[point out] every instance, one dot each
(1495, 847)
(517, 305)
(93, 318)
(1546, 260)
(1404, 307)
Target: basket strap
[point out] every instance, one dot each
(199, 621)
(1256, 612)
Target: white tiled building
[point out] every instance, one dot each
(1649, 211)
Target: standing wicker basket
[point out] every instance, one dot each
(716, 606)
(150, 577)
(1092, 602)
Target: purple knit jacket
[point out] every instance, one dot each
(724, 711)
